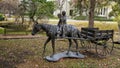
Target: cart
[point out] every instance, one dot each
(98, 41)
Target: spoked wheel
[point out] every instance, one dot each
(104, 48)
(86, 45)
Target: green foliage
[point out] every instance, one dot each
(97, 18)
(80, 17)
(45, 8)
(116, 12)
(1, 30)
(1, 17)
(38, 8)
(82, 6)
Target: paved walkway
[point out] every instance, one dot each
(2, 37)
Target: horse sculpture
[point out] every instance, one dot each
(51, 32)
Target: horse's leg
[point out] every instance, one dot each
(70, 43)
(45, 45)
(53, 46)
(76, 46)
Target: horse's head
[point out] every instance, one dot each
(36, 28)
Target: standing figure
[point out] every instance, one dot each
(64, 19)
(61, 23)
(64, 22)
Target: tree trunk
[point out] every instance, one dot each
(22, 17)
(119, 32)
(91, 13)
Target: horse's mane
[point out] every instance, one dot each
(49, 27)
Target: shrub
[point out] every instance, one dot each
(97, 18)
(1, 30)
(80, 17)
(1, 17)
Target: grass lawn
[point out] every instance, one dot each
(27, 53)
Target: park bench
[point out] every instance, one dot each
(101, 40)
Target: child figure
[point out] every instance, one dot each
(64, 17)
(61, 23)
(60, 20)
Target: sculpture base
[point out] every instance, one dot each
(61, 55)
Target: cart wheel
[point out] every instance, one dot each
(86, 45)
(104, 48)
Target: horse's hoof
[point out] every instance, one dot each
(51, 56)
(67, 53)
(77, 53)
